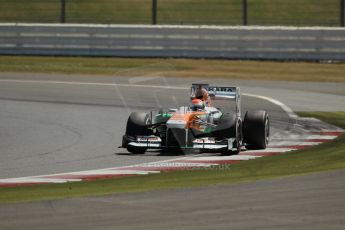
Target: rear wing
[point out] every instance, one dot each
(220, 93)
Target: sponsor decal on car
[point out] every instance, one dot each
(149, 139)
(204, 141)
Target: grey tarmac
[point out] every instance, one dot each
(304, 202)
(50, 128)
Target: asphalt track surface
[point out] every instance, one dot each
(60, 123)
(305, 202)
(65, 125)
(52, 127)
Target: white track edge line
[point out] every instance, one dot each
(286, 108)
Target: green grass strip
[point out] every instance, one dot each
(325, 157)
(246, 70)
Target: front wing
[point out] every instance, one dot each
(155, 142)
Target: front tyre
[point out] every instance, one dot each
(256, 129)
(137, 125)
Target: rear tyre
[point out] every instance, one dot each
(137, 125)
(256, 129)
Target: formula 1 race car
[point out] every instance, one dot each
(199, 127)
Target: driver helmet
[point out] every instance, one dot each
(201, 93)
(197, 105)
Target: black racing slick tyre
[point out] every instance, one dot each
(256, 129)
(137, 125)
